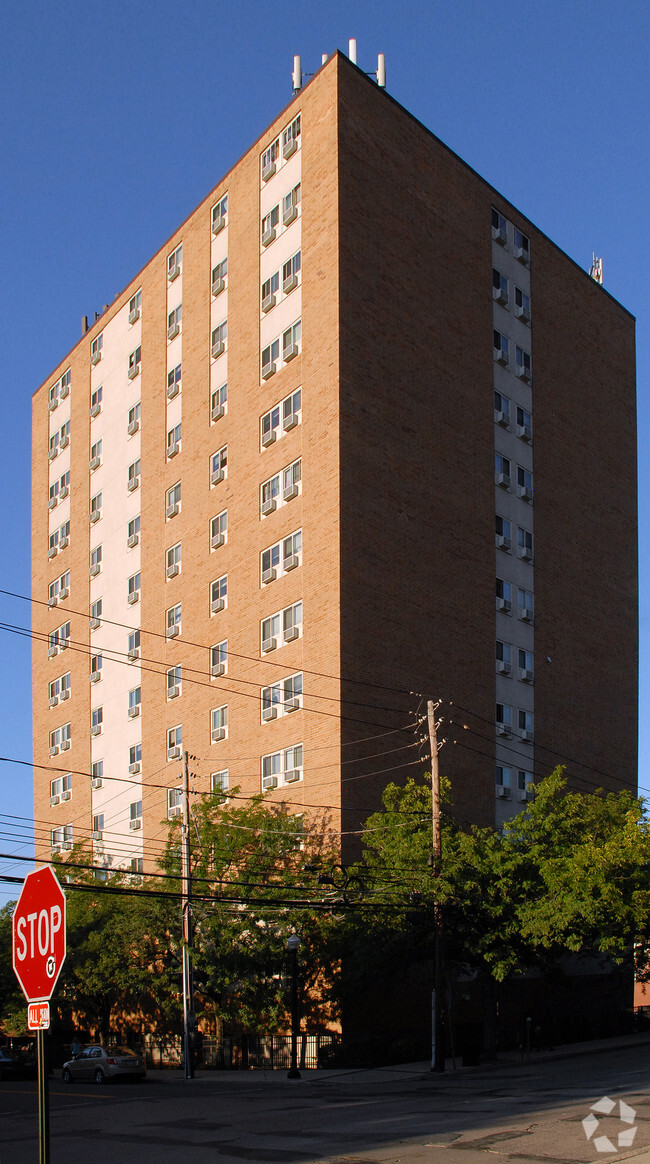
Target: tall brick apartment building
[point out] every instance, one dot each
(355, 423)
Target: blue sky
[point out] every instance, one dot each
(117, 121)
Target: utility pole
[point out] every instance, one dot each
(437, 1024)
(186, 908)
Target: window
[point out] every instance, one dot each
(96, 349)
(503, 596)
(220, 215)
(59, 639)
(64, 435)
(219, 659)
(499, 228)
(282, 698)
(525, 664)
(270, 493)
(96, 507)
(60, 739)
(96, 399)
(503, 658)
(95, 456)
(173, 441)
(174, 802)
(525, 723)
(219, 530)
(502, 471)
(95, 613)
(135, 812)
(219, 466)
(59, 689)
(281, 488)
(525, 604)
(53, 446)
(173, 621)
(53, 397)
(290, 137)
(133, 640)
(289, 411)
(135, 699)
(173, 500)
(502, 776)
(133, 532)
(269, 159)
(218, 403)
(98, 826)
(501, 409)
(524, 544)
(219, 723)
(54, 495)
(219, 339)
(134, 419)
(525, 781)
(175, 263)
(270, 357)
(135, 360)
(522, 247)
(133, 589)
(503, 718)
(291, 273)
(270, 289)
(174, 740)
(133, 477)
(282, 557)
(219, 272)
(97, 773)
(290, 205)
(270, 223)
(291, 341)
(219, 781)
(96, 664)
(219, 594)
(135, 759)
(58, 589)
(174, 681)
(61, 788)
(522, 305)
(173, 560)
(174, 320)
(503, 531)
(524, 424)
(282, 767)
(135, 307)
(524, 483)
(523, 365)
(61, 837)
(501, 347)
(174, 378)
(96, 720)
(499, 287)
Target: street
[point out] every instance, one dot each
(528, 1110)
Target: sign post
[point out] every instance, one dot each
(39, 943)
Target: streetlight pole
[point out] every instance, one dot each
(293, 945)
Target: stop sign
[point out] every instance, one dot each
(39, 934)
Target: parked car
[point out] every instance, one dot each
(99, 1064)
(16, 1064)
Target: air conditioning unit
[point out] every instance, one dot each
(500, 296)
(96, 835)
(65, 693)
(269, 575)
(268, 171)
(289, 147)
(63, 543)
(503, 543)
(52, 601)
(174, 752)
(501, 356)
(95, 516)
(52, 503)
(526, 553)
(525, 432)
(268, 506)
(95, 411)
(291, 562)
(53, 701)
(524, 373)
(269, 782)
(268, 437)
(133, 597)
(54, 800)
(67, 845)
(501, 418)
(133, 427)
(63, 492)
(133, 655)
(55, 848)
(217, 476)
(173, 631)
(96, 782)
(267, 303)
(94, 569)
(521, 255)
(269, 645)
(521, 794)
(216, 541)
(503, 729)
(52, 651)
(525, 614)
(53, 404)
(218, 734)
(218, 286)
(291, 633)
(289, 215)
(64, 442)
(95, 358)
(216, 605)
(290, 421)
(503, 792)
(218, 348)
(173, 692)
(96, 729)
(523, 313)
(292, 704)
(52, 552)
(54, 751)
(175, 811)
(64, 644)
(218, 223)
(217, 412)
(94, 463)
(173, 389)
(525, 493)
(290, 492)
(268, 370)
(52, 453)
(173, 331)
(527, 737)
(499, 235)
(67, 795)
(93, 623)
(134, 768)
(289, 283)
(133, 484)
(503, 480)
(173, 272)
(503, 668)
(133, 371)
(291, 775)
(95, 676)
(504, 604)
(134, 711)
(172, 571)
(132, 540)
(136, 823)
(289, 352)
(134, 315)
(217, 669)
(269, 713)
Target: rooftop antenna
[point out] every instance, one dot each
(323, 58)
(381, 71)
(296, 76)
(596, 269)
(352, 50)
